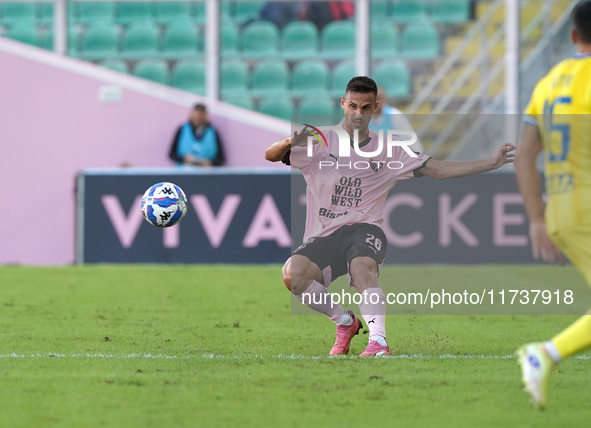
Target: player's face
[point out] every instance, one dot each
(358, 109)
(198, 117)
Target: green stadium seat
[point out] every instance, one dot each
(315, 105)
(299, 40)
(260, 39)
(24, 33)
(73, 41)
(89, 12)
(338, 40)
(243, 11)
(155, 70)
(140, 40)
(342, 73)
(450, 11)
(171, 11)
(234, 78)
(189, 75)
(309, 77)
(384, 40)
(280, 107)
(243, 101)
(100, 40)
(181, 40)
(379, 9)
(45, 12)
(115, 65)
(228, 39)
(15, 12)
(394, 77)
(407, 11)
(421, 41)
(128, 12)
(269, 77)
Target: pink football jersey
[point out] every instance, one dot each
(356, 191)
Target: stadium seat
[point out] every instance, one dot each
(384, 40)
(315, 105)
(280, 107)
(338, 40)
(115, 65)
(45, 12)
(270, 76)
(171, 11)
(100, 41)
(243, 11)
(140, 40)
(73, 41)
(379, 9)
(24, 33)
(309, 77)
(420, 41)
(450, 11)
(234, 78)
(299, 40)
(89, 12)
(341, 75)
(259, 39)
(189, 75)
(181, 40)
(394, 77)
(128, 12)
(228, 39)
(155, 70)
(243, 101)
(407, 11)
(15, 12)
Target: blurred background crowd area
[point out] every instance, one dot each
(283, 58)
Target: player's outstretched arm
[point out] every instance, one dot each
(443, 170)
(528, 179)
(276, 151)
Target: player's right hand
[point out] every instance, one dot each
(541, 245)
(300, 138)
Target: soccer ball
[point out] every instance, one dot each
(164, 204)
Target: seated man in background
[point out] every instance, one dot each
(388, 117)
(196, 142)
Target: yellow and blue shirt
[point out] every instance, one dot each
(561, 108)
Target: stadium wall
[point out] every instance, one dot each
(60, 115)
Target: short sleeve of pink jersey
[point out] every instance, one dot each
(299, 158)
(409, 163)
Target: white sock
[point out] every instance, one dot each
(374, 314)
(552, 350)
(317, 298)
(345, 319)
(380, 339)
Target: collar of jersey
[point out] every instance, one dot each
(582, 55)
(363, 143)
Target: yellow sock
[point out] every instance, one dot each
(576, 337)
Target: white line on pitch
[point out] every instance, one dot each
(260, 357)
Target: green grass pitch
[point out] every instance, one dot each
(217, 346)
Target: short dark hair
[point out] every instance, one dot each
(362, 84)
(582, 20)
(200, 107)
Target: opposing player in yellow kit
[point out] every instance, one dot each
(558, 121)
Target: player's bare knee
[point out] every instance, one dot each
(286, 272)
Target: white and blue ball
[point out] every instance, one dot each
(164, 204)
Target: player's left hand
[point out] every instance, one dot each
(502, 155)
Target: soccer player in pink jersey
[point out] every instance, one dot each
(345, 196)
